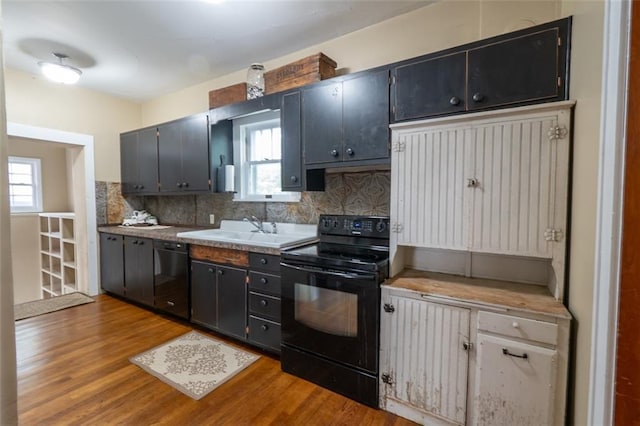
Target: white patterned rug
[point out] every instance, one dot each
(193, 363)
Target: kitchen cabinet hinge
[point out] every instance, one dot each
(559, 41)
(553, 235)
(393, 79)
(559, 81)
(396, 227)
(157, 133)
(389, 308)
(246, 280)
(209, 183)
(246, 330)
(399, 146)
(557, 132)
(387, 379)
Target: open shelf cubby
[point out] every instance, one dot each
(58, 254)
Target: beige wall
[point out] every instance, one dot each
(441, 25)
(33, 101)
(24, 227)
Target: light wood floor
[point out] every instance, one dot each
(73, 369)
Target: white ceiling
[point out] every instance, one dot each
(141, 49)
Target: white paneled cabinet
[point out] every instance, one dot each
(459, 362)
(494, 182)
(487, 185)
(515, 382)
(424, 361)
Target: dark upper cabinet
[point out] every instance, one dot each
(291, 143)
(322, 123)
(346, 121)
(519, 68)
(183, 155)
(524, 68)
(430, 87)
(112, 263)
(139, 161)
(138, 270)
(365, 118)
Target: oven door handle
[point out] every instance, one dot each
(347, 275)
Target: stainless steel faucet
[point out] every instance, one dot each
(274, 228)
(255, 222)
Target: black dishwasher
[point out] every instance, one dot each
(171, 279)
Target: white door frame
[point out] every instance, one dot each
(606, 286)
(85, 142)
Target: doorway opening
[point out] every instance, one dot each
(79, 195)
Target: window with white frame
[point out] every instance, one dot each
(25, 185)
(257, 155)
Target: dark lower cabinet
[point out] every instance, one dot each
(138, 270)
(112, 263)
(264, 301)
(219, 298)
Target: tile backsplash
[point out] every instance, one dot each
(365, 193)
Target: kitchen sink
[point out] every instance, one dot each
(236, 232)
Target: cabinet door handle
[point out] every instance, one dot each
(220, 272)
(455, 101)
(170, 303)
(472, 183)
(477, 97)
(179, 185)
(211, 270)
(349, 152)
(294, 179)
(264, 302)
(263, 261)
(185, 184)
(141, 186)
(263, 280)
(264, 327)
(505, 351)
(334, 152)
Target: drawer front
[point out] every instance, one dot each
(524, 328)
(264, 283)
(264, 333)
(263, 305)
(264, 262)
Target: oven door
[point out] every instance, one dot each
(332, 314)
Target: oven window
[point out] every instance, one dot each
(330, 311)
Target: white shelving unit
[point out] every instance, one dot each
(58, 254)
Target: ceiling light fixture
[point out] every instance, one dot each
(59, 72)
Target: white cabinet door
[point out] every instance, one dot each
(428, 172)
(515, 383)
(517, 173)
(423, 360)
(496, 185)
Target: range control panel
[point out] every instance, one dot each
(365, 226)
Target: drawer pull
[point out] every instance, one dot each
(170, 303)
(515, 324)
(263, 280)
(263, 261)
(505, 351)
(263, 302)
(264, 327)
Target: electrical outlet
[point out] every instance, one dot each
(212, 218)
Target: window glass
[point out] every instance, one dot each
(25, 190)
(258, 154)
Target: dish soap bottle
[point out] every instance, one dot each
(255, 81)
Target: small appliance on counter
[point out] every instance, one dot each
(140, 218)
